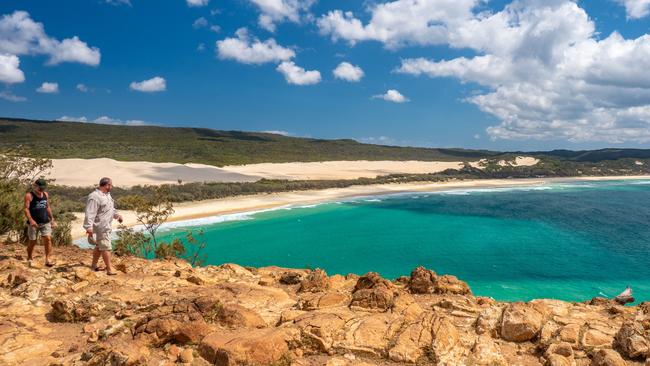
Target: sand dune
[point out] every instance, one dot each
(87, 172)
(341, 169)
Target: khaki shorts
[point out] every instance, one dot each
(103, 241)
(43, 229)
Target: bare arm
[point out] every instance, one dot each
(28, 200)
(49, 210)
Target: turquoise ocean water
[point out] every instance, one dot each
(569, 241)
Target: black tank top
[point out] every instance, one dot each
(38, 208)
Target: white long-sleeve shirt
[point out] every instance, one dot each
(100, 212)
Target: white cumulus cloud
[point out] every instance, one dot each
(10, 72)
(392, 95)
(155, 84)
(546, 73)
(105, 120)
(20, 35)
(636, 9)
(200, 23)
(276, 11)
(348, 72)
(197, 3)
(296, 75)
(249, 50)
(119, 2)
(399, 23)
(7, 95)
(48, 88)
(278, 132)
(82, 88)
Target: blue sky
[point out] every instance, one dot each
(522, 75)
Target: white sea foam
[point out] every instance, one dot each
(640, 182)
(464, 192)
(305, 206)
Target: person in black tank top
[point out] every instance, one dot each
(39, 220)
(38, 208)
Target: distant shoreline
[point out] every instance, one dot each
(241, 204)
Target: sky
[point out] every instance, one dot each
(500, 75)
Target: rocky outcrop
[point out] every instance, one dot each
(422, 281)
(449, 284)
(315, 281)
(633, 340)
(372, 292)
(520, 322)
(165, 312)
(425, 281)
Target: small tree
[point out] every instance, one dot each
(195, 249)
(151, 213)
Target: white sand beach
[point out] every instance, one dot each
(207, 208)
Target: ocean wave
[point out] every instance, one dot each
(640, 182)
(467, 191)
(305, 206)
(209, 220)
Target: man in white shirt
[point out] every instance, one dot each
(100, 212)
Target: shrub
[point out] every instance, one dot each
(61, 234)
(132, 243)
(175, 249)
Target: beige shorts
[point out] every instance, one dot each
(103, 241)
(43, 229)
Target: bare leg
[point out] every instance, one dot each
(30, 249)
(106, 255)
(95, 258)
(47, 244)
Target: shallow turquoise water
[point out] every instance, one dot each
(566, 241)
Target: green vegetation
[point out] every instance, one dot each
(16, 176)
(151, 213)
(53, 140)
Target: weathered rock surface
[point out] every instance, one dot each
(373, 293)
(520, 322)
(633, 340)
(607, 357)
(166, 312)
